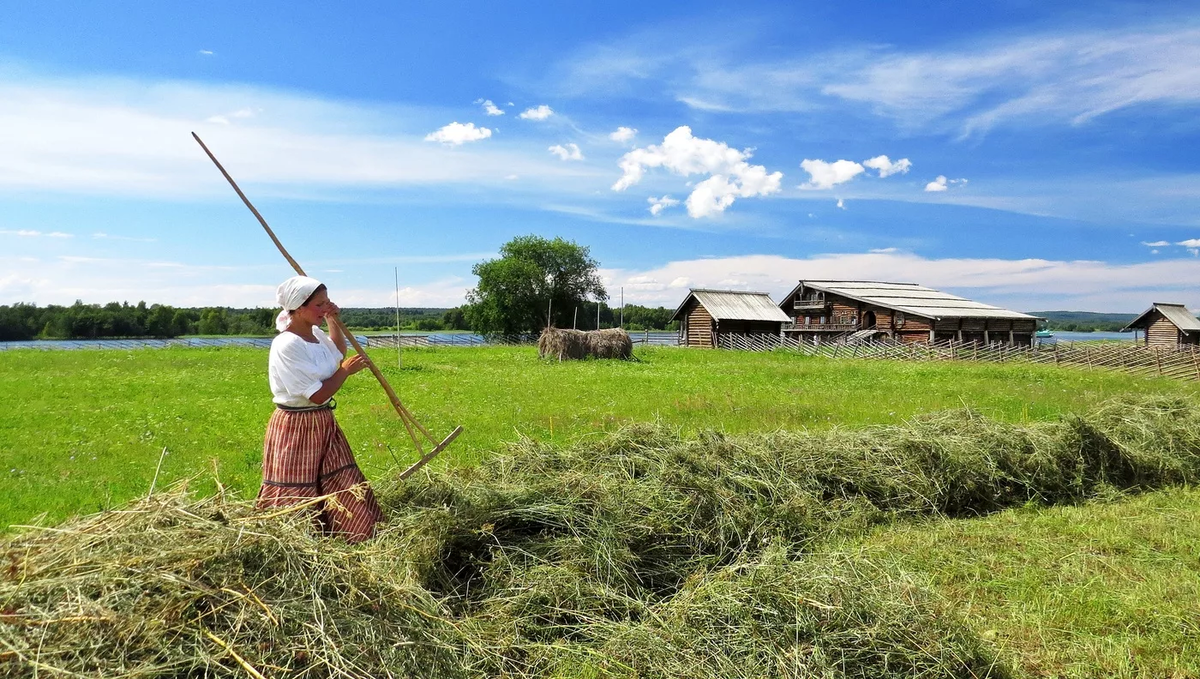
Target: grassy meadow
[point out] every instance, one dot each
(1107, 587)
(88, 427)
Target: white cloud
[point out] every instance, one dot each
(623, 134)
(489, 107)
(882, 251)
(1189, 243)
(33, 233)
(537, 113)
(657, 205)
(205, 53)
(886, 167)
(457, 134)
(827, 175)
(730, 175)
(841, 204)
(943, 184)
(1156, 244)
(567, 152)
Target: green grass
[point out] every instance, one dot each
(85, 429)
(1106, 589)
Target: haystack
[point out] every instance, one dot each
(577, 344)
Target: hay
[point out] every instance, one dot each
(645, 553)
(577, 344)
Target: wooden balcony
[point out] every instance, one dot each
(810, 305)
(823, 327)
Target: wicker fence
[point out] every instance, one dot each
(1180, 363)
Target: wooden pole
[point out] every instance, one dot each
(406, 418)
(399, 359)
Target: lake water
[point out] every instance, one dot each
(1066, 336)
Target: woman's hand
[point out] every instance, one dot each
(332, 310)
(353, 364)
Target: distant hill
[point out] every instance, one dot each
(1083, 321)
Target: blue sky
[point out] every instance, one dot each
(1033, 155)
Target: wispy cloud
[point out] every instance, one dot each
(205, 53)
(108, 236)
(131, 137)
(1156, 244)
(32, 233)
(1057, 77)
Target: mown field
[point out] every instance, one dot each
(1103, 588)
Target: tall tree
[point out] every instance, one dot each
(532, 274)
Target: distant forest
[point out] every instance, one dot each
(1083, 321)
(115, 319)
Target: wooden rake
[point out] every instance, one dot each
(411, 425)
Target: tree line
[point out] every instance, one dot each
(534, 283)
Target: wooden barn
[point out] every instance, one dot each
(825, 311)
(1167, 325)
(706, 315)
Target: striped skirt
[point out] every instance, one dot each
(306, 455)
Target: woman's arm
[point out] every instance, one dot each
(330, 386)
(335, 329)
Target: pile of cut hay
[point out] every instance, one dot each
(577, 344)
(642, 554)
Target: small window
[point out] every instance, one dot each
(899, 319)
(808, 320)
(822, 320)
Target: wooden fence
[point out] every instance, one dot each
(1180, 363)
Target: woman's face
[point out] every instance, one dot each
(314, 312)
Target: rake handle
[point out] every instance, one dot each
(405, 417)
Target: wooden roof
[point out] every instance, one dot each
(911, 298)
(1177, 314)
(735, 305)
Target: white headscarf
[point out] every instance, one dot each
(290, 295)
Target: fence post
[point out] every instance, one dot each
(1158, 360)
(1087, 354)
(1194, 363)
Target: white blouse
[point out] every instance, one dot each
(297, 368)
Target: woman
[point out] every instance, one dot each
(305, 453)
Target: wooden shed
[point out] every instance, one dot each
(1167, 325)
(824, 310)
(706, 315)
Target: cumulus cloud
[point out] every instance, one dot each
(730, 175)
(827, 175)
(1156, 244)
(942, 184)
(489, 107)
(567, 152)
(1189, 243)
(537, 113)
(841, 204)
(886, 167)
(457, 134)
(623, 134)
(657, 205)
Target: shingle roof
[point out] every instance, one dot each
(736, 305)
(1176, 313)
(912, 299)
